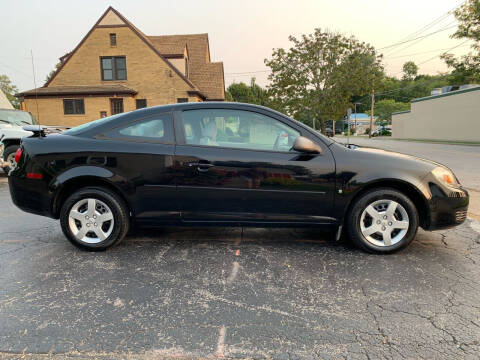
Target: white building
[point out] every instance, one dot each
(451, 116)
(361, 122)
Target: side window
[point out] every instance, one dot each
(237, 129)
(157, 129)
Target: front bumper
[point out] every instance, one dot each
(447, 207)
(3, 163)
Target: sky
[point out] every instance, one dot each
(241, 33)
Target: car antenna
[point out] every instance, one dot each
(36, 94)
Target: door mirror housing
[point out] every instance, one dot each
(304, 145)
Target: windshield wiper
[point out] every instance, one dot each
(5, 121)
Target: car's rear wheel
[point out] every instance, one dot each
(382, 221)
(94, 218)
(9, 157)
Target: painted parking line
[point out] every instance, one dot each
(221, 341)
(230, 279)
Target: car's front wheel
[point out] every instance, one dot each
(94, 218)
(382, 221)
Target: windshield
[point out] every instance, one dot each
(89, 125)
(17, 117)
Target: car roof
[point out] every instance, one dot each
(206, 105)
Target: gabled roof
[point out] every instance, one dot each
(112, 15)
(208, 76)
(169, 49)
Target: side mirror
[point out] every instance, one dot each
(304, 145)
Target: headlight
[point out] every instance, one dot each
(445, 176)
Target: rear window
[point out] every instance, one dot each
(90, 125)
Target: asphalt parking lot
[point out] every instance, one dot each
(234, 293)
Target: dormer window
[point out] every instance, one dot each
(113, 39)
(186, 67)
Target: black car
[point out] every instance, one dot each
(227, 164)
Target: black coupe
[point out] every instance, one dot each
(227, 164)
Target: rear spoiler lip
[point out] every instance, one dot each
(42, 130)
(37, 130)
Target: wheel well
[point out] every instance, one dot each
(405, 188)
(85, 181)
(9, 142)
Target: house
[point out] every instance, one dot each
(361, 122)
(4, 103)
(117, 68)
(450, 116)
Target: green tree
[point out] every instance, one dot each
(410, 70)
(316, 78)
(384, 109)
(9, 90)
(466, 69)
(252, 94)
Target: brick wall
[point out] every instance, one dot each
(147, 73)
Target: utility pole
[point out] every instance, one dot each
(372, 108)
(349, 114)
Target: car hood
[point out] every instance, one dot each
(382, 161)
(397, 155)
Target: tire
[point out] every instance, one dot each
(94, 218)
(9, 151)
(393, 231)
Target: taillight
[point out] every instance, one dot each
(36, 176)
(18, 155)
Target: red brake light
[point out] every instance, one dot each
(36, 176)
(18, 155)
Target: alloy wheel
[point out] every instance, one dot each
(90, 221)
(384, 222)
(11, 161)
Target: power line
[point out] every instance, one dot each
(248, 72)
(420, 37)
(16, 70)
(419, 53)
(444, 52)
(431, 24)
(395, 51)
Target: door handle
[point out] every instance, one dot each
(202, 166)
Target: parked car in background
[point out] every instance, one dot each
(329, 132)
(382, 131)
(12, 123)
(11, 131)
(227, 164)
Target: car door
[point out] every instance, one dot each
(237, 165)
(144, 150)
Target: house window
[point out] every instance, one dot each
(141, 103)
(116, 105)
(186, 67)
(182, 100)
(114, 68)
(113, 39)
(73, 106)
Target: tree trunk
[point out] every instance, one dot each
(322, 125)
